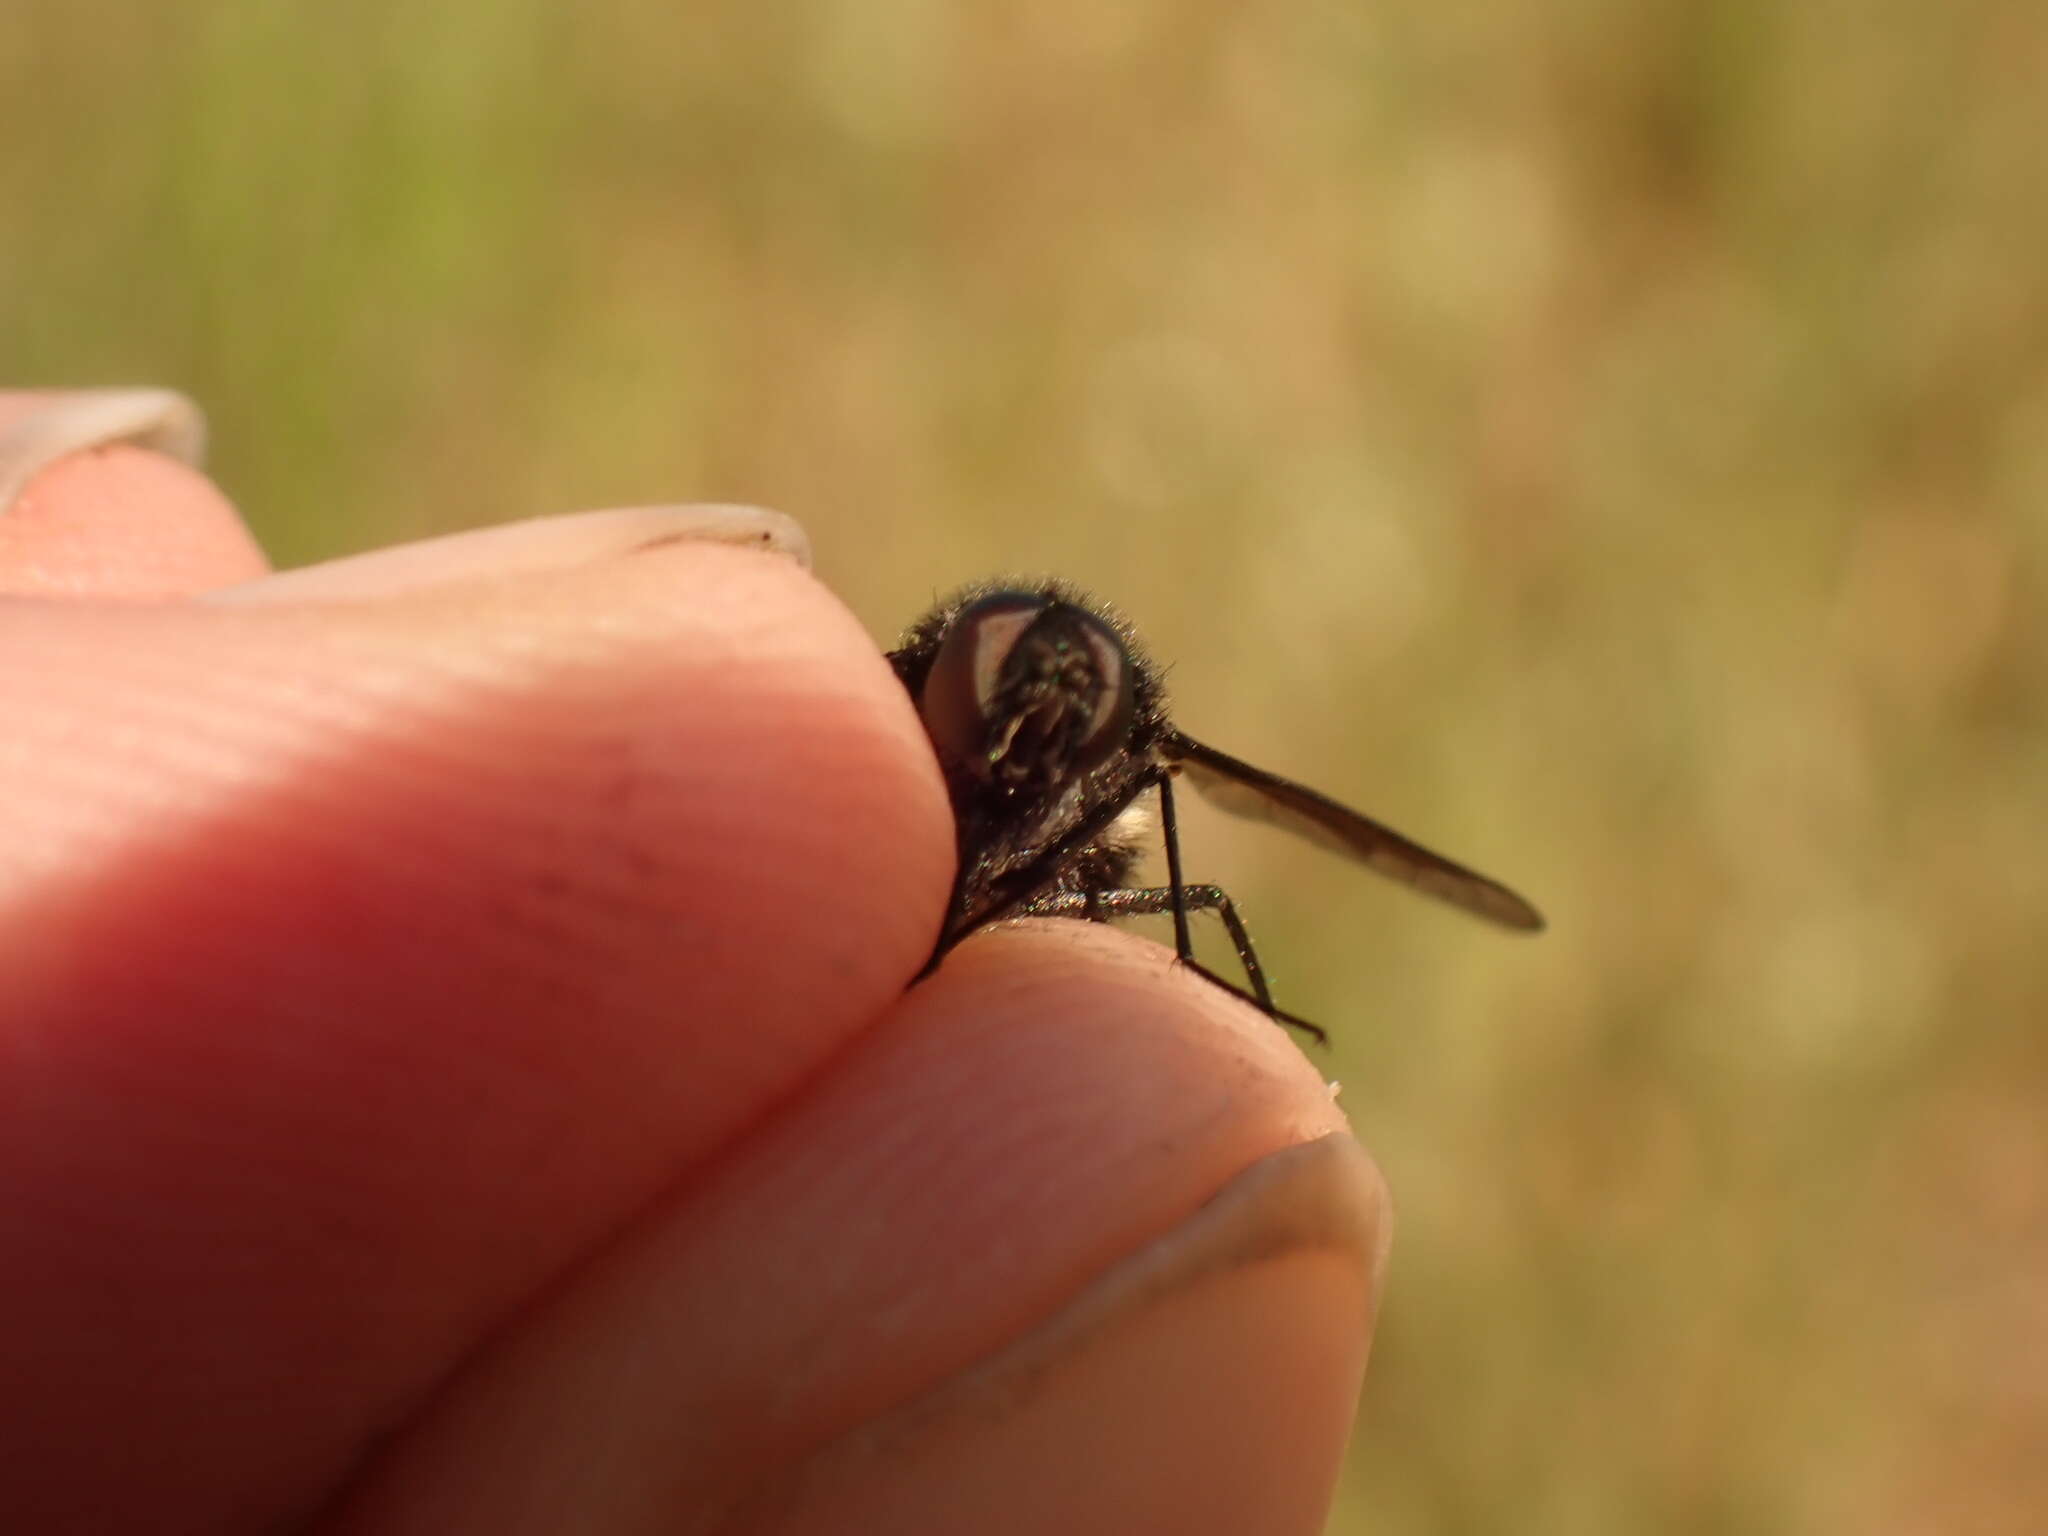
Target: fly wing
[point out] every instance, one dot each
(1243, 790)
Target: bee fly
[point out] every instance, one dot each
(1050, 725)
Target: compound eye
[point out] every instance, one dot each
(1026, 692)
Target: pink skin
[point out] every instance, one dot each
(456, 1074)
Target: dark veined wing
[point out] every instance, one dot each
(1242, 790)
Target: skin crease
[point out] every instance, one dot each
(455, 1073)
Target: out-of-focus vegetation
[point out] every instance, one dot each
(1609, 440)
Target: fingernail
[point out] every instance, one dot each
(538, 545)
(1243, 1331)
(74, 421)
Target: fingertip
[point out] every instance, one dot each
(535, 546)
(1188, 1252)
(1124, 1009)
(123, 522)
(1205, 1384)
(1059, 1240)
(430, 937)
(100, 497)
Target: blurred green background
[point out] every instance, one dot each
(1607, 439)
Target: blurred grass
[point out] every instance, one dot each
(1609, 440)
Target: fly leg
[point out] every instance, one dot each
(1158, 901)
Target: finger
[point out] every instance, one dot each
(100, 496)
(960, 1261)
(370, 960)
(1206, 1385)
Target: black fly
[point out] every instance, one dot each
(1050, 725)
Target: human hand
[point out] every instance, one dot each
(457, 1072)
